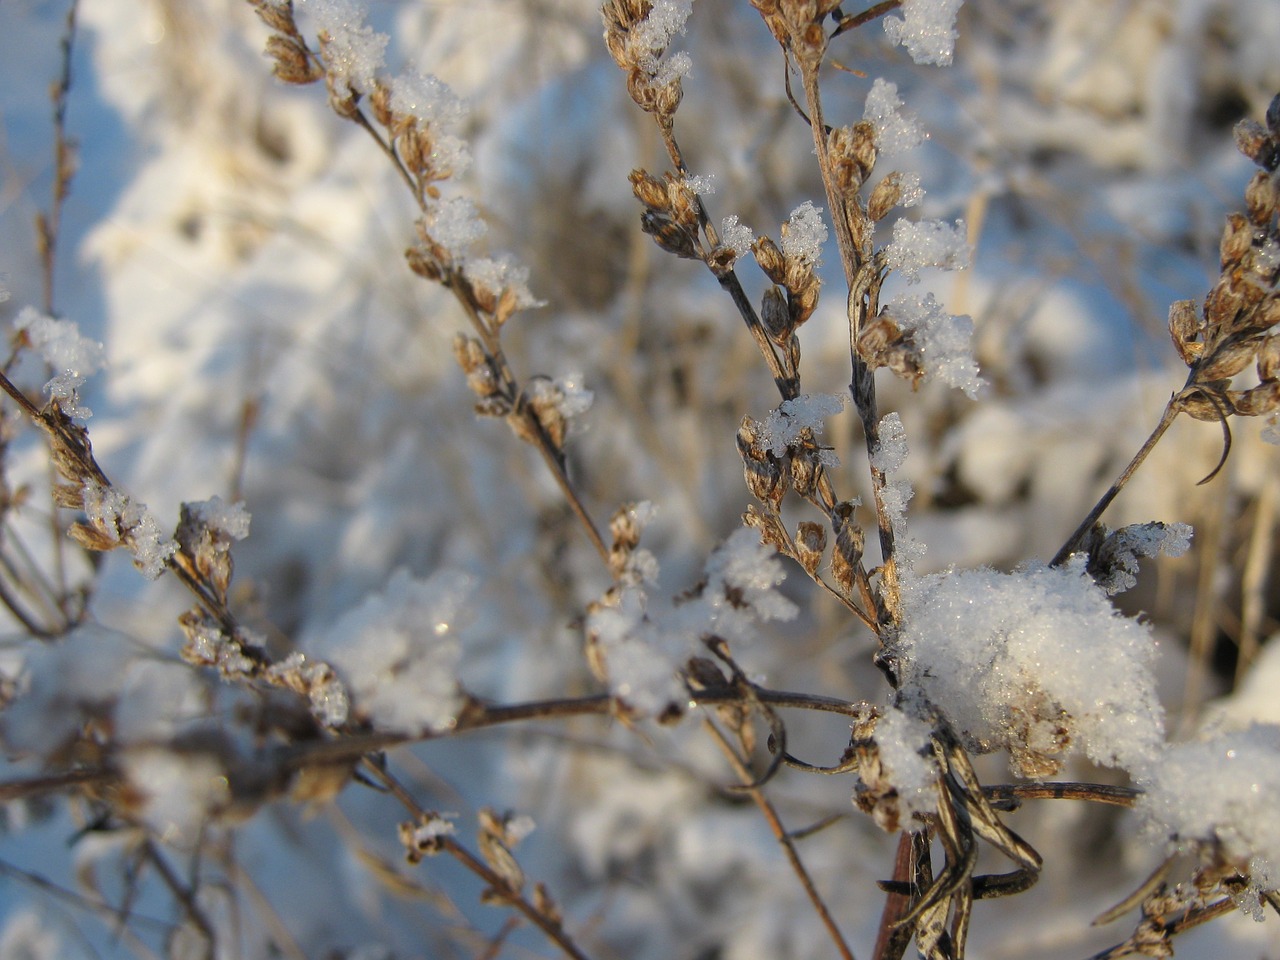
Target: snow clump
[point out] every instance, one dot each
(397, 653)
(1037, 662)
(74, 358)
(927, 29)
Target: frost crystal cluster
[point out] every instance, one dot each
(927, 29)
(74, 357)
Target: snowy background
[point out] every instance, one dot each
(238, 250)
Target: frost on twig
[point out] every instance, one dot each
(73, 357)
(638, 647)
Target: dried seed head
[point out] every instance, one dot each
(761, 469)
(864, 146)
(670, 236)
(885, 196)
(1206, 406)
(380, 102)
(277, 16)
(1254, 142)
(802, 303)
(1228, 360)
(805, 469)
(770, 259)
(775, 315)
(649, 190)
(847, 554)
(1261, 401)
(1269, 359)
(1261, 198)
(292, 65)
(1237, 240)
(1185, 328)
(811, 541)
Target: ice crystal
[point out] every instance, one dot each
(891, 450)
(928, 243)
(124, 520)
(808, 411)
(1220, 792)
(503, 273)
(927, 29)
(897, 130)
(354, 51)
(943, 341)
(737, 236)
(74, 357)
(804, 233)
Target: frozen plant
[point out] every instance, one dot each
(330, 733)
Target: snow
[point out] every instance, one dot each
(784, 425)
(62, 347)
(927, 29)
(736, 235)
(1219, 791)
(897, 130)
(927, 243)
(891, 450)
(355, 52)
(943, 341)
(804, 233)
(1036, 662)
(237, 250)
(397, 653)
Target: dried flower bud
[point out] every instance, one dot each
(277, 16)
(811, 541)
(805, 468)
(1273, 116)
(769, 526)
(847, 554)
(775, 315)
(762, 470)
(1262, 400)
(1228, 360)
(864, 146)
(1209, 407)
(1261, 198)
(649, 190)
(670, 236)
(1252, 140)
(1237, 240)
(1269, 359)
(380, 102)
(1185, 328)
(704, 674)
(803, 303)
(292, 65)
(770, 259)
(885, 196)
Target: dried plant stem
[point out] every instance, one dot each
(860, 276)
(182, 893)
(1010, 795)
(770, 814)
(856, 20)
(549, 925)
(1170, 413)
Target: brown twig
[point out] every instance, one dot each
(549, 925)
(770, 814)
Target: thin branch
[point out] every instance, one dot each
(770, 814)
(853, 21)
(1073, 542)
(549, 925)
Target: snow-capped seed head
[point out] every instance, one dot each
(804, 233)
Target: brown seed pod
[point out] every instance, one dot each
(811, 541)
